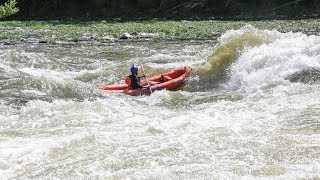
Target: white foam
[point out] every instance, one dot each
(271, 63)
(173, 135)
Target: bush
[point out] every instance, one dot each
(8, 9)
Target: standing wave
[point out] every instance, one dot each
(272, 64)
(250, 58)
(230, 47)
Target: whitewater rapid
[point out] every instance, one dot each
(241, 116)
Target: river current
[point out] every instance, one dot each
(250, 110)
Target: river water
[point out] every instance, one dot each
(250, 110)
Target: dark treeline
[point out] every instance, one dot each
(128, 9)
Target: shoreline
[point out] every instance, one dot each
(57, 32)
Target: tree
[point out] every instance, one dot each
(8, 9)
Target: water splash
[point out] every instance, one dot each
(270, 64)
(230, 47)
(251, 59)
(175, 135)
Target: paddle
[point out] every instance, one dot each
(146, 78)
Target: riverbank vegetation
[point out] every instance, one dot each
(107, 20)
(8, 8)
(105, 31)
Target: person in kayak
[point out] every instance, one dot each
(135, 79)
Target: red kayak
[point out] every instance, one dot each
(171, 81)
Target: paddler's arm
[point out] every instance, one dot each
(142, 76)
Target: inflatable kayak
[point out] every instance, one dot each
(171, 81)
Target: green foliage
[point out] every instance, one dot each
(55, 31)
(8, 9)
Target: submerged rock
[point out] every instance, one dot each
(306, 76)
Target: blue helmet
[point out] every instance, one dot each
(134, 68)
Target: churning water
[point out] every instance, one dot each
(251, 110)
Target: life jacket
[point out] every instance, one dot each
(133, 82)
(128, 81)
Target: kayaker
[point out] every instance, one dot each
(135, 79)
